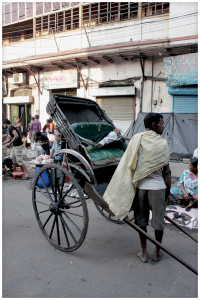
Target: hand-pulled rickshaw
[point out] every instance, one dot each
(60, 192)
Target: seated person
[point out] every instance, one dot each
(57, 145)
(42, 140)
(187, 188)
(8, 165)
(111, 137)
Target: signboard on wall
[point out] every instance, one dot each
(181, 69)
(60, 79)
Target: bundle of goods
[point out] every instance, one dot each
(43, 159)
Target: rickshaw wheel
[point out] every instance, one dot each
(111, 218)
(60, 207)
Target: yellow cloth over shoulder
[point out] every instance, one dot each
(147, 152)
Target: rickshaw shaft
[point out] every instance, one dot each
(138, 229)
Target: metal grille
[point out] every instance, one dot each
(185, 104)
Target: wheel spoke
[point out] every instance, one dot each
(66, 194)
(66, 211)
(57, 226)
(73, 223)
(73, 202)
(41, 203)
(40, 212)
(45, 188)
(63, 181)
(43, 193)
(50, 180)
(65, 233)
(47, 220)
(68, 230)
(55, 196)
(52, 228)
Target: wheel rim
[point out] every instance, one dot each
(113, 218)
(60, 207)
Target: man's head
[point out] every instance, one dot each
(50, 120)
(6, 123)
(154, 121)
(36, 117)
(58, 137)
(38, 134)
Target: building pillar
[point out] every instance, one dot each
(80, 16)
(140, 10)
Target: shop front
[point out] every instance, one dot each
(19, 108)
(182, 81)
(63, 82)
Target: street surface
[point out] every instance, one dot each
(105, 265)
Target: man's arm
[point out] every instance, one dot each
(39, 126)
(6, 141)
(16, 135)
(46, 142)
(52, 153)
(167, 180)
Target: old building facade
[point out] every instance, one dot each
(130, 57)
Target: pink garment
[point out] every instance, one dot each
(35, 126)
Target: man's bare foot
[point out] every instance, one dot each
(142, 256)
(157, 256)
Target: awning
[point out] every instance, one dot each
(18, 100)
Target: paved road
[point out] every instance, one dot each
(105, 265)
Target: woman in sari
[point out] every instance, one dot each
(187, 188)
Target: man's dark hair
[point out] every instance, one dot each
(6, 121)
(150, 118)
(36, 117)
(50, 120)
(194, 162)
(38, 133)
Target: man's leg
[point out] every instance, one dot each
(143, 241)
(157, 204)
(141, 212)
(46, 148)
(14, 167)
(19, 159)
(158, 252)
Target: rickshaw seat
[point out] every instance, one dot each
(96, 132)
(92, 131)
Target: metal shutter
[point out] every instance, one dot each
(185, 104)
(118, 108)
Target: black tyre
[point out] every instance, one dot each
(60, 207)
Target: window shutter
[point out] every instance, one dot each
(39, 8)
(29, 9)
(56, 6)
(7, 14)
(65, 4)
(14, 11)
(21, 10)
(47, 7)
